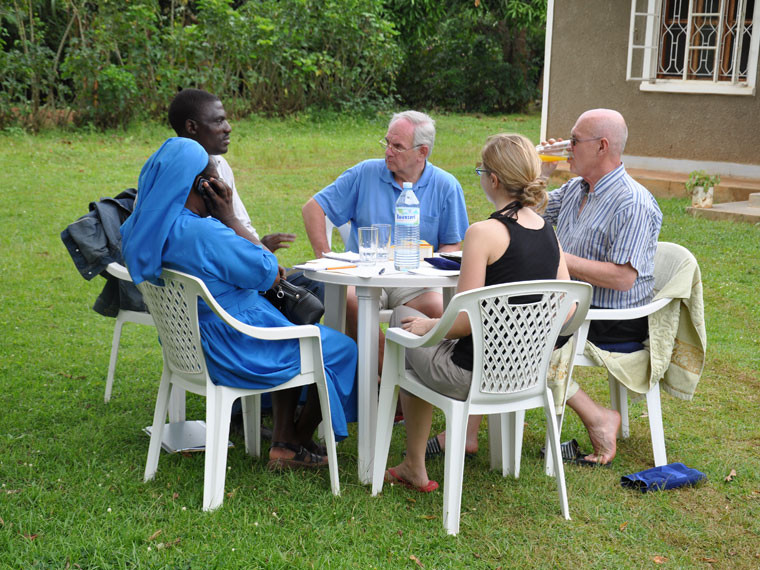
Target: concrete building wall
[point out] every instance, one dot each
(588, 66)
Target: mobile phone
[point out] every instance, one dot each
(201, 190)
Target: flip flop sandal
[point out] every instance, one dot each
(433, 450)
(395, 478)
(581, 460)
(303, 458)
(569, 449)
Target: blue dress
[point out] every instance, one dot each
(235, 270)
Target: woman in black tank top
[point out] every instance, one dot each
(513, 244)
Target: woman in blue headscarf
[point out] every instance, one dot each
(183, 220)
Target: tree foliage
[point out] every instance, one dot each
(102, 63)
(471, 55)
(111, 59)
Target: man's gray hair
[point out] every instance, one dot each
(424, 128)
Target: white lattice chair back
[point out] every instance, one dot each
(511, 337)
(174, 308)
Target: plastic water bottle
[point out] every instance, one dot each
(406, 253)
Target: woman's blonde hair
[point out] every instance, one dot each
(514, 161)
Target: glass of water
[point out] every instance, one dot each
(383, 241)
(367, 245)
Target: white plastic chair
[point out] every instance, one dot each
(124, 316)
(174, 307)
(667, 260)
(344, 231)
(512, 346)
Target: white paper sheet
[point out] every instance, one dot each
(434, 272)
(350, 256)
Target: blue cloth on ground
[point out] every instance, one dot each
(662, 478)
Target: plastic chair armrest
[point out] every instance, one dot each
(627, 314)
(118, 271)
(264, 333)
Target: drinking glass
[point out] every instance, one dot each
(367, 245)
(383, 241)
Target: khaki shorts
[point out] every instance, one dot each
(433, 364)
(393, 297)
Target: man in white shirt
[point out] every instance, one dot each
(200, 115)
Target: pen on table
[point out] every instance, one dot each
(381, 271)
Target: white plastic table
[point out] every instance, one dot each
(368, 293)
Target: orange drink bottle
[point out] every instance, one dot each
(554, 152)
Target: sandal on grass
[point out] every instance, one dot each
(315, 447)
(303, 458)
(433, 450)
(391, 476)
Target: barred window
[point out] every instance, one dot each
(693, 45)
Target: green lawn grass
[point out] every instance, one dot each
(72, 495)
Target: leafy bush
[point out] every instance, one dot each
(111, 59)
(471, 56)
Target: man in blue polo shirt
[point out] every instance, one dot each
(608, 225)
(366, 194)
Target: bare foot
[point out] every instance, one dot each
(603, 435)
(469, 446)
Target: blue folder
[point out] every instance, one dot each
(663, 477)
(442, 263)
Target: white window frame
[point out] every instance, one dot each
(647, 53)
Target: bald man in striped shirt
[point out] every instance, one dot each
(608, 225)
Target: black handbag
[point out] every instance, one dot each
(299, 305)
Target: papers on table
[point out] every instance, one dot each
(431, 271)
(324, 263)
(350, 256)
(341, 266)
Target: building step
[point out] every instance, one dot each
(745, 211)
(754, 200)
(663, 184)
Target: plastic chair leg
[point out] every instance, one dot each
(654, 409)
(252, 424)
(386, 409)
(553, 436)
(218, 409)
(619, 402)
(456, 436)
(329, 434)
(548, 455)
(177, 405)
(496, 434)
(114, 355)
(159, 417)
(515, 428)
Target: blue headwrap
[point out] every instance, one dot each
(162, 190)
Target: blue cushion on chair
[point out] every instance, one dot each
(620, 346)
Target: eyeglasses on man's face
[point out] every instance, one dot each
(394, 148)
(575, 140)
